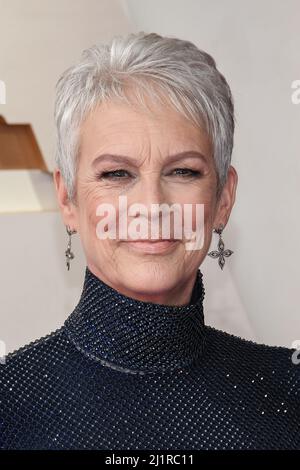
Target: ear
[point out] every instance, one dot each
(227, 198)
(67, 208)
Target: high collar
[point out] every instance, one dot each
(135, 336)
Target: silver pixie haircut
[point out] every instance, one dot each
(181, 73)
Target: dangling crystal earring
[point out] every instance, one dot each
(68, 252)
(221, 253)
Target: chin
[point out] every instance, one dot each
(151, 278)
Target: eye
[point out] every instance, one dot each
(121, 173)
(185, 172)
(113, 174)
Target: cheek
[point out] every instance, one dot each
(203, 207)
(203, 215)
(88, 228)
(89, 217)
(95, 245)
(93, 217)
(89, 200)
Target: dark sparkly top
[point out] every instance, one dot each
(121, 373)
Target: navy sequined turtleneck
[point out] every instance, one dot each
(121, 373)
(135, 336)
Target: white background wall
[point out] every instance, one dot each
(39, 39)
(257, 47)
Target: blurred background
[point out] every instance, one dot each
(257, 47)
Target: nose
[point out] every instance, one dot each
(148, 192)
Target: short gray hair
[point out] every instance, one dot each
(183, 73)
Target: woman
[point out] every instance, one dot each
(148, 120)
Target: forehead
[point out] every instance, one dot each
(117, 126)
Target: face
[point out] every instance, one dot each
(151, 158)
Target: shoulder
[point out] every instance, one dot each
(31, 363)
(214, 334)
(279, 363)
(31, 380)
(32, 350)
(256, 381)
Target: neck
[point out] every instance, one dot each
(134, 336)
(179, 295)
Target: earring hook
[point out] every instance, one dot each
(69, 254)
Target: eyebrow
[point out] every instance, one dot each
(131, 161)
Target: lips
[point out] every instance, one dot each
(152, 246)
(152, 240)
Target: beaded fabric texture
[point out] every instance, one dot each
(126, 374)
